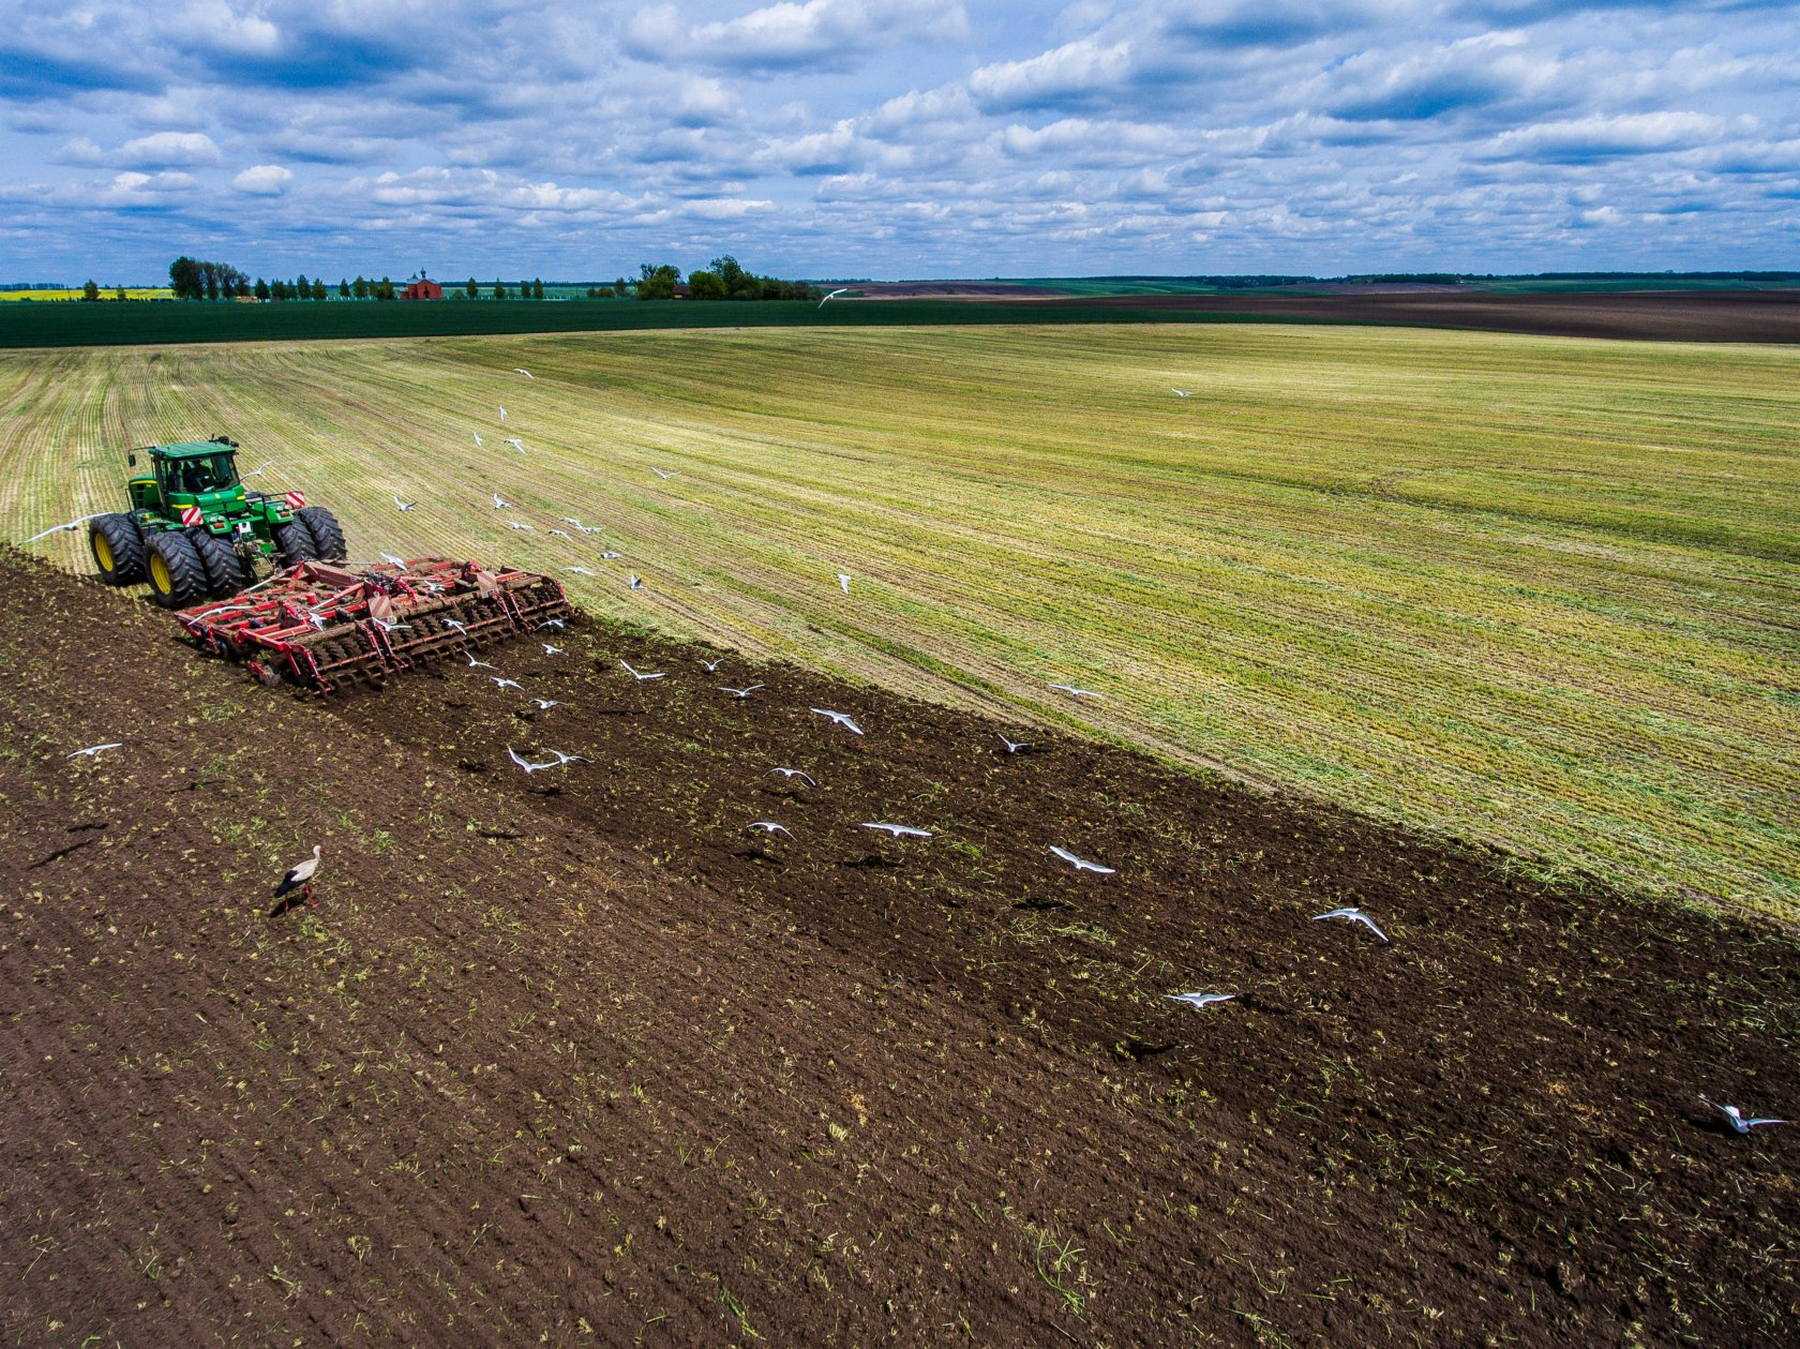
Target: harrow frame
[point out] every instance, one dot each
(320, 624)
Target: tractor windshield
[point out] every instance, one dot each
(202, 475)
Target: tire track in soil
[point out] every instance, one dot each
(1372, 1140)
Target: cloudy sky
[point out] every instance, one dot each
(897, 138)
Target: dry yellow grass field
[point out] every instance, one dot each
(1534, 592)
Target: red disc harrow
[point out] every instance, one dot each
(326, 625)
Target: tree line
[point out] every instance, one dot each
(724, 278)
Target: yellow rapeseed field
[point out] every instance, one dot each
(106, 293)
(1538, 593)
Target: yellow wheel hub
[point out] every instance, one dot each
(159, 574)
(103, 553)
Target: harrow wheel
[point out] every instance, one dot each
(118, 549)
(177, 578)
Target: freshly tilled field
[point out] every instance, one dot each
(576, 1054)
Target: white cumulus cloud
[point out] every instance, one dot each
(263, 180)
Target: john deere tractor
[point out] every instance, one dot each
(196, 533)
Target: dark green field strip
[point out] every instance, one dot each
(100, 325)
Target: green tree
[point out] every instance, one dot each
(184, 278)
(537, 288)
(279, 290)
(384, 289)
(359, 287)
(705, 286)
(473, 290)
(318, 289)
(738, 283)
(499, 289)
(657, 282)
(620, 288)
(343, 289)
(120, 294)
(262, 289)
(91, 291)
(302, 287)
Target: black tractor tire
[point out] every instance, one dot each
(294, 541)
(328, 535)
(177, 578)
(223, 567)
(118, 548)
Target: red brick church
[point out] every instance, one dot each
(422, 289)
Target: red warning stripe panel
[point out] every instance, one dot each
(190, 515)
(295, 500)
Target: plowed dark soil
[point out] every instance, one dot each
(577, 1054)
(1655, 315)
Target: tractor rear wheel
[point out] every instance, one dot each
(295, 543)
(223, 569)
(328, 535)
(177, 578)
(118, 549)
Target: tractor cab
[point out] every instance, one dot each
(201, 474)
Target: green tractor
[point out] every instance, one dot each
(195, 533)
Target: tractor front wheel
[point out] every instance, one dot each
(295, 543)
(328, 535)
(177, 578)
(223, 569)
(118, 549)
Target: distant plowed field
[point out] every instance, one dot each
(1532, 592)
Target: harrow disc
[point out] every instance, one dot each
(326, 626)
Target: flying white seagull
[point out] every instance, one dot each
(516, 443)
(771, 827)
(386, 626)
(521, 370)
(501, 503)
(552, 650)
(1074, 692)
(1200, 1001)
(391, 560)
(587, 529)
(1349, 915)
(1182, 393)
(561, 534)
(503, 412)
(832, 295)
(741, 693)
(610, 556)
(642, 678)
(500, 683)
(580, 571)
(844, 581)
(791, 773)
(712, 666)
(479, 664)
(841, 718)
(456, 623)
(300, 877)
(1015, 746)
(1080, 863)
(562, 758)
(898, 830)
(553, 623)
(1739, 1124)
(94, 751)
(526, 764)
(479, 442)
(73, 524)
(545, 704)
(520, 524)
(663, 473)
(636, 582)
(400, 505)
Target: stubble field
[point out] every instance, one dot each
(1531, 592)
